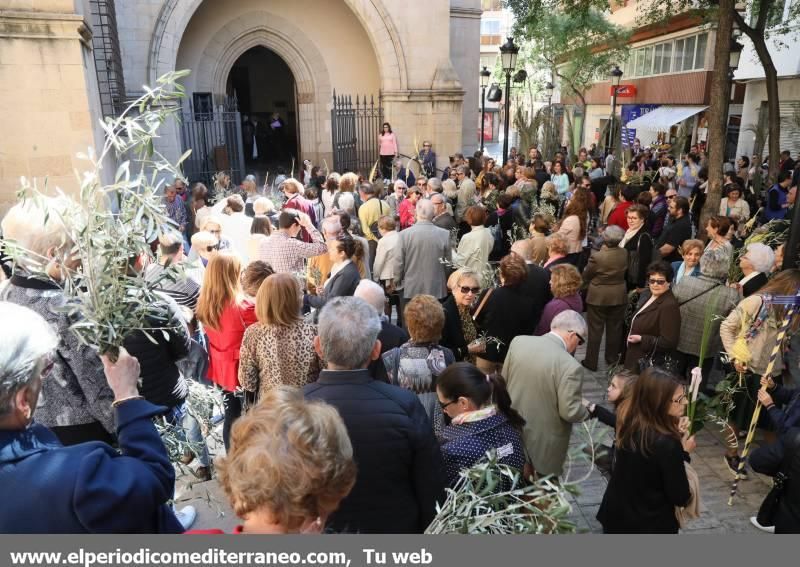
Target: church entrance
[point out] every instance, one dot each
(265, 90)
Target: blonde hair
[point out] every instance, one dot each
(221, 287)
(565, 280)
(289, 456)
(215, 219)
(459, 275)
(292, 186)
(279, 300)
(348, 182)
(263, 206)
(203, 239)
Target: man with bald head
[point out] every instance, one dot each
(420, 249)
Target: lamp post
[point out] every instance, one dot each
(485, 74)
(548, 88)
(616, 76)
(508, 58)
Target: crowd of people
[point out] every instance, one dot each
(373, 338)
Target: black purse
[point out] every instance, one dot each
(769, 507)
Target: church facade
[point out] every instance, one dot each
(66, 63)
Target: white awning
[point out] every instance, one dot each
(660, 119)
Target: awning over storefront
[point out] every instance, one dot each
(660, 119)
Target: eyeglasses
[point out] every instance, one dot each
(581, 340)
(444, 405)
(466, 289)
(421, 184)
(671, 196)
(653, 281)
(426, 145)
(682, 398)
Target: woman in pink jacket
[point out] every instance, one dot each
(388, 149)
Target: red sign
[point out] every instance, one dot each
(624, 91)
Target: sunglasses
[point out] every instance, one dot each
(212, 248)
(671, 196)
(581, 340)
(653, 281)
(466, 289)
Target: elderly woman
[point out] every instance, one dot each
(460, 334)
(565, 285)
(549, 196)
(88, 487)
(264, 206)
(475, 246)
(289, 466)
(539, 228)
(556, 251)
(691, 250)
(503, 313)
(755, 263)
(76, 402)
(417, 364)
(213, 224)
(639, 244)
(279, 349)
(656, 325)
(606, 298)
(702, 298)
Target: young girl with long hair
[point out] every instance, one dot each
(649, 477)
(482, 419)
(225, 314)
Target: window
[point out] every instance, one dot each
(700, 57)
(490, 27)
(648, 60)
(688, 54)
(666, 65)
(678, 55)
(657, 59)
(640, 62)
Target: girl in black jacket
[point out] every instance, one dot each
(649, 478)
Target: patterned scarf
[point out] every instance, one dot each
(473, 416)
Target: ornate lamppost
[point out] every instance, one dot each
(508, 59)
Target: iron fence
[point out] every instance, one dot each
(215, 137)
(355, 128)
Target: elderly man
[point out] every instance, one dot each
(418, 257)
(466, 194)
(544, 381)
(391, 336)
(184, 290)
(284, 251)
(441, 217)
(400, 468)
(371, 209)
(89, 487)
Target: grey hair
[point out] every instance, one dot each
(372, 293)
(331, 225)
(23, 348)
(761, 256)
(40, 226)
(263, 206)
(613, 235)
(450, 189)
(348, 328)
(424, 210)
(569, 321)
(436, 184)
(523, 248)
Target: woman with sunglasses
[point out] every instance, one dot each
(649, 478)
(656, 325)
(460, 334)
(481, 419)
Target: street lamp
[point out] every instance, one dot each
(616, 76)
(734, 56)
(548, 132)
(508, 59)
(485, 74)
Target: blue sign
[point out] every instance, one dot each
(632, 112)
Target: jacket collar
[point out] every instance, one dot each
(16, 445)
(339, 377)
(30, 282)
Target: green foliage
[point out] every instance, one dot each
(105, 296)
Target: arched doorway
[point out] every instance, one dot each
(265, 89)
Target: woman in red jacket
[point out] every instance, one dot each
(225, 314)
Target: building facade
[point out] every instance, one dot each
(271, 57)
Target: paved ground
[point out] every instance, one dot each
(715, 479)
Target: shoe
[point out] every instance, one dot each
(186, 516)
(768, 529)
(733, 466)
(187, 457)
(203, 474)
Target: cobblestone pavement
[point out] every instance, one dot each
(715, 480)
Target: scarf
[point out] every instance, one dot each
(473, 416)
(629, 234)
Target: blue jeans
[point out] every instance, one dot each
(191, 431)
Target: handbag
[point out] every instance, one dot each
(769, 507)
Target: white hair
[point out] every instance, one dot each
(761, 256)
(263, 206)
(23, 347)
(348, 328)
(40, 225)
(331, 225)
(347, 202)
(569, 321)
(372, 293)
(424, 210)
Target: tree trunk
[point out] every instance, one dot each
(582, 132)
(773, 101)
(718, 113)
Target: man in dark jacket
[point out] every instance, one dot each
(400, 468)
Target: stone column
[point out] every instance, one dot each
(465, 37)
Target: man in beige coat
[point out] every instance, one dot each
(544, 381)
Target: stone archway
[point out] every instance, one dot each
(312, 78)
(383, 35)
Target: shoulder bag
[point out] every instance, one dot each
(483, 302)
